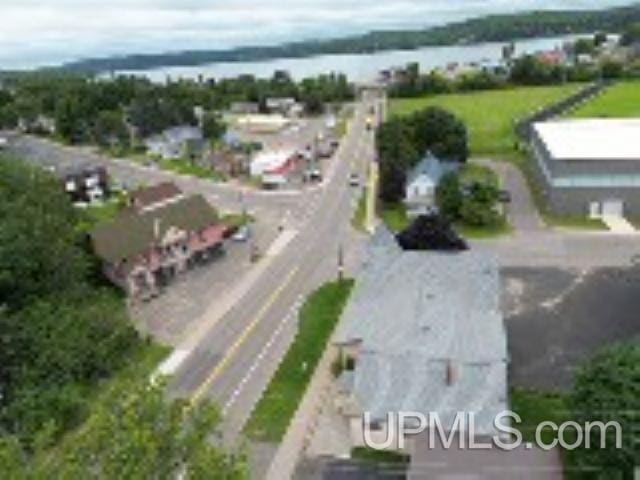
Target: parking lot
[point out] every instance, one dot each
(557, 318)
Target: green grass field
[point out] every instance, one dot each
(318, 318)
(490, 115)
(621, 100)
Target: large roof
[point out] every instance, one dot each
(146, 197)
(131, 233)
(418, 314)
(591, 139)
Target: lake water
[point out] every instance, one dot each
(358, 67)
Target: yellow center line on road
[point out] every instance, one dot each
(244, 336)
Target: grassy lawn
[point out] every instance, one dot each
(621, 100)
(380, 456)
(360, 215)
(185, 167)
(500, 229)
(318, 318)
(396, 219)
(490, 115)
(474, 173)
(237, 219)
(535, 407)
(394, 216)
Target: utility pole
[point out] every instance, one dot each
(340, 263)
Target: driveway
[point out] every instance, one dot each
(521, 211)
(557, 318)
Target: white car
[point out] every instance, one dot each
(242, 234)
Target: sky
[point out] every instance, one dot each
(49, 32)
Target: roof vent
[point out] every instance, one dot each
(451, 376)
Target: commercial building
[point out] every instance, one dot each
(147, 245)
(272, 167)
(589, 167)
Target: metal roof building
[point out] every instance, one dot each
(589, 166)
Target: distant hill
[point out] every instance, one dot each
(495, 28)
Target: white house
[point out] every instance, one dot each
(422, 181)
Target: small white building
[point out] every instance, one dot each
(422, 182)
(265, 124)
(176, 142)
(273, 166)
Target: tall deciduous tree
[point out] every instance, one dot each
(134, 433)
(607, 389)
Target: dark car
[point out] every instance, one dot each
(504, 196)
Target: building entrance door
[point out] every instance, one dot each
(613, 208)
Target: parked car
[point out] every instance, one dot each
(504, 196)
(242, 234)
(314, 175)
(354, 180)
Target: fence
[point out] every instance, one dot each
(524, 127)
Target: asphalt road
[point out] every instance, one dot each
(234, 360)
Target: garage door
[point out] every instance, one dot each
(613, 208)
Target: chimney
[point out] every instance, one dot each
(451, 376)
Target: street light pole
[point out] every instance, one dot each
(340, 263)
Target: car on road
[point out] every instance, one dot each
(354, 180)
(313, 175)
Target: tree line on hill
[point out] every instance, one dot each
(63, 335)
(495, 28)
(118, 111)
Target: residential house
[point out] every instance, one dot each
(142, 251)
(286, 106)
(552, 57)
(177, 142)
(244, 108)
(589, 166)
(40, 124)
(85, 184)
(422, 332)
(422, 182)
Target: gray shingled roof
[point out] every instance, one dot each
(415, 312)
